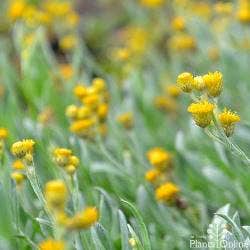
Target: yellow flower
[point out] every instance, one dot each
(159, 158)
(18, 177)
(182, 43)
(228, 119)
(178, 23)
(18, 165)
(71, 111)
(61, 156)
(91, 100)
(223, 8)
(102, 111)
(173, 90)
(66, 71)
(185, 81)
(165, 104)
(68, 42)
(214, 83)
(22, 148)
(152, 3)
(70, 169)
(45, 116)
(16, 9)
(121, 54)
(80, 91)
(243, 13)
(126, 120)
(83, 112)
(83, 127)
(199, 83)
(83, 220)
(167, 192)
(51, 244)
(56, 194)
(152, 175)
(99, 85)
(3, 133)
(202, 113)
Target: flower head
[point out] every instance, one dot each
(18, 177)
(84, 219)
(178, 23)
(152, 3)
(199, 83)
(202, 113)
(18, 165)
(21, 148)
(159, 158)
(152, 175)
(126, 120)
(3, 133)
(185, 81)
(56, 194)
(51, 244)
(214, 83)
(167, 192)
(228, 119)
(173, 90)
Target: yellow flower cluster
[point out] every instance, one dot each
(23, 150)
(162, 163)
(51, 244)
(89, 118)
(167, 102)
(211, 82)
(56, 196)
(203, 110)
(126, 120)
(182, 42)
(243, 13)
(64, 158)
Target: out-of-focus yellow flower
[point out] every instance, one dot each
(152, 175)
(51, 244)
(243, 13)
(45, 116)
(182, 42)
(199, 83)
(214, 83)
(159, 158)
(202, 113)
(121, 54)
(80, 91)
(152, 3)
(72, 19)
(57, 8)
(3, 133)
(18, 177)
(91, 101)
(83, 220)
(56, 194)
(21, 148)
(99, 85)
(126, 120)
(173, 90)
(165, 104)
(18, 165)
(167, 192)
(71, 111)
(83, 127)
(228, 119)
(202, 9)
(66, 71)
(185, 81)
(223, 8)
(102, 111)
(16, 9)
(178, 23)
(214, 53)
(68, 42)
(132, 242)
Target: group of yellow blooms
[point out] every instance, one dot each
(23, 151)
(89, 118)
(58, 16)
(205, 110)
(56, 196)
(64, 158)
(167, 103)
(160, 174)
(180, 39)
